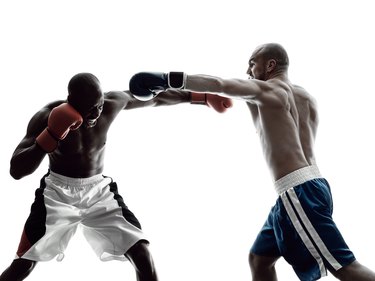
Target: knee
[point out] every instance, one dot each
(261, 263)
(354, 271)
(253, 261)
(140, 257)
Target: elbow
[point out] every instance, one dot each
(15, 174)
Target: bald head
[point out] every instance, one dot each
(273, 51)
(83, 88)
(82, 83)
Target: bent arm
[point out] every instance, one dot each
(28, 155)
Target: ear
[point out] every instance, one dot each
(271, 65)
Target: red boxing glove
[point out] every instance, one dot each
(219, 103)
(61, 120)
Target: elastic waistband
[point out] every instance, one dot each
(296, 178)
(74, 181)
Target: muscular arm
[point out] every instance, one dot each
(251, 90)
(28, 155)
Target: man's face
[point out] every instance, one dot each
(94, 110)
(90, 106)
(256, 69)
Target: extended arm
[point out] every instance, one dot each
(233, 88)
(148, 85)
(160, 89)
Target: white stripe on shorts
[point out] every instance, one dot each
(302, 233)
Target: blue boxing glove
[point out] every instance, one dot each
(146, 85)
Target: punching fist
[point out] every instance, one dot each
(147, 85)
(61, 120)
(219, 103)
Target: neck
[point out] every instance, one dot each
(278, 74)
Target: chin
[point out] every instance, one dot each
(90, 124)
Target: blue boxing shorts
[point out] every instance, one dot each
(62, 204)
(300, 227)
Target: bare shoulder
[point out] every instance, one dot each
(116, 99)
(40, 118)
(38, 122)
(116, 95)
(114, 102)
(302, 93)
(303, 96)
(274, 92)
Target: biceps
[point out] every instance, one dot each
(242, 89)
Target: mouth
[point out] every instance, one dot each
(91, 122)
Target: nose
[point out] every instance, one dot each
(249, 72)
(95, 113)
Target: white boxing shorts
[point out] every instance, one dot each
(62, 204)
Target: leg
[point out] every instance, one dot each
(354, 271)
(18, 270)
(141, 258)
(262, 268)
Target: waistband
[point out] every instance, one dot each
(297, 177)
(74, 181)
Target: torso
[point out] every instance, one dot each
(81, 153)
(281, 125)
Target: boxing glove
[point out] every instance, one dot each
(218, 103)
(145, 86)
(61, 120)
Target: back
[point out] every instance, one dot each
(308, 121)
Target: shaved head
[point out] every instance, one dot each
(83, 89)
(272, 51)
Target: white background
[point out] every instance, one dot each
(196, 179)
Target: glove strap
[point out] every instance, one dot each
(176, 80)
(47, 141)
(197, 98)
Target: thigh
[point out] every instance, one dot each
(126, 213)
(50, 225)
(35, 226)
(110, 227)
(312, 241)
(265, 243)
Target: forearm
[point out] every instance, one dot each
(165, 98)
(25, 161)
(172, 97)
